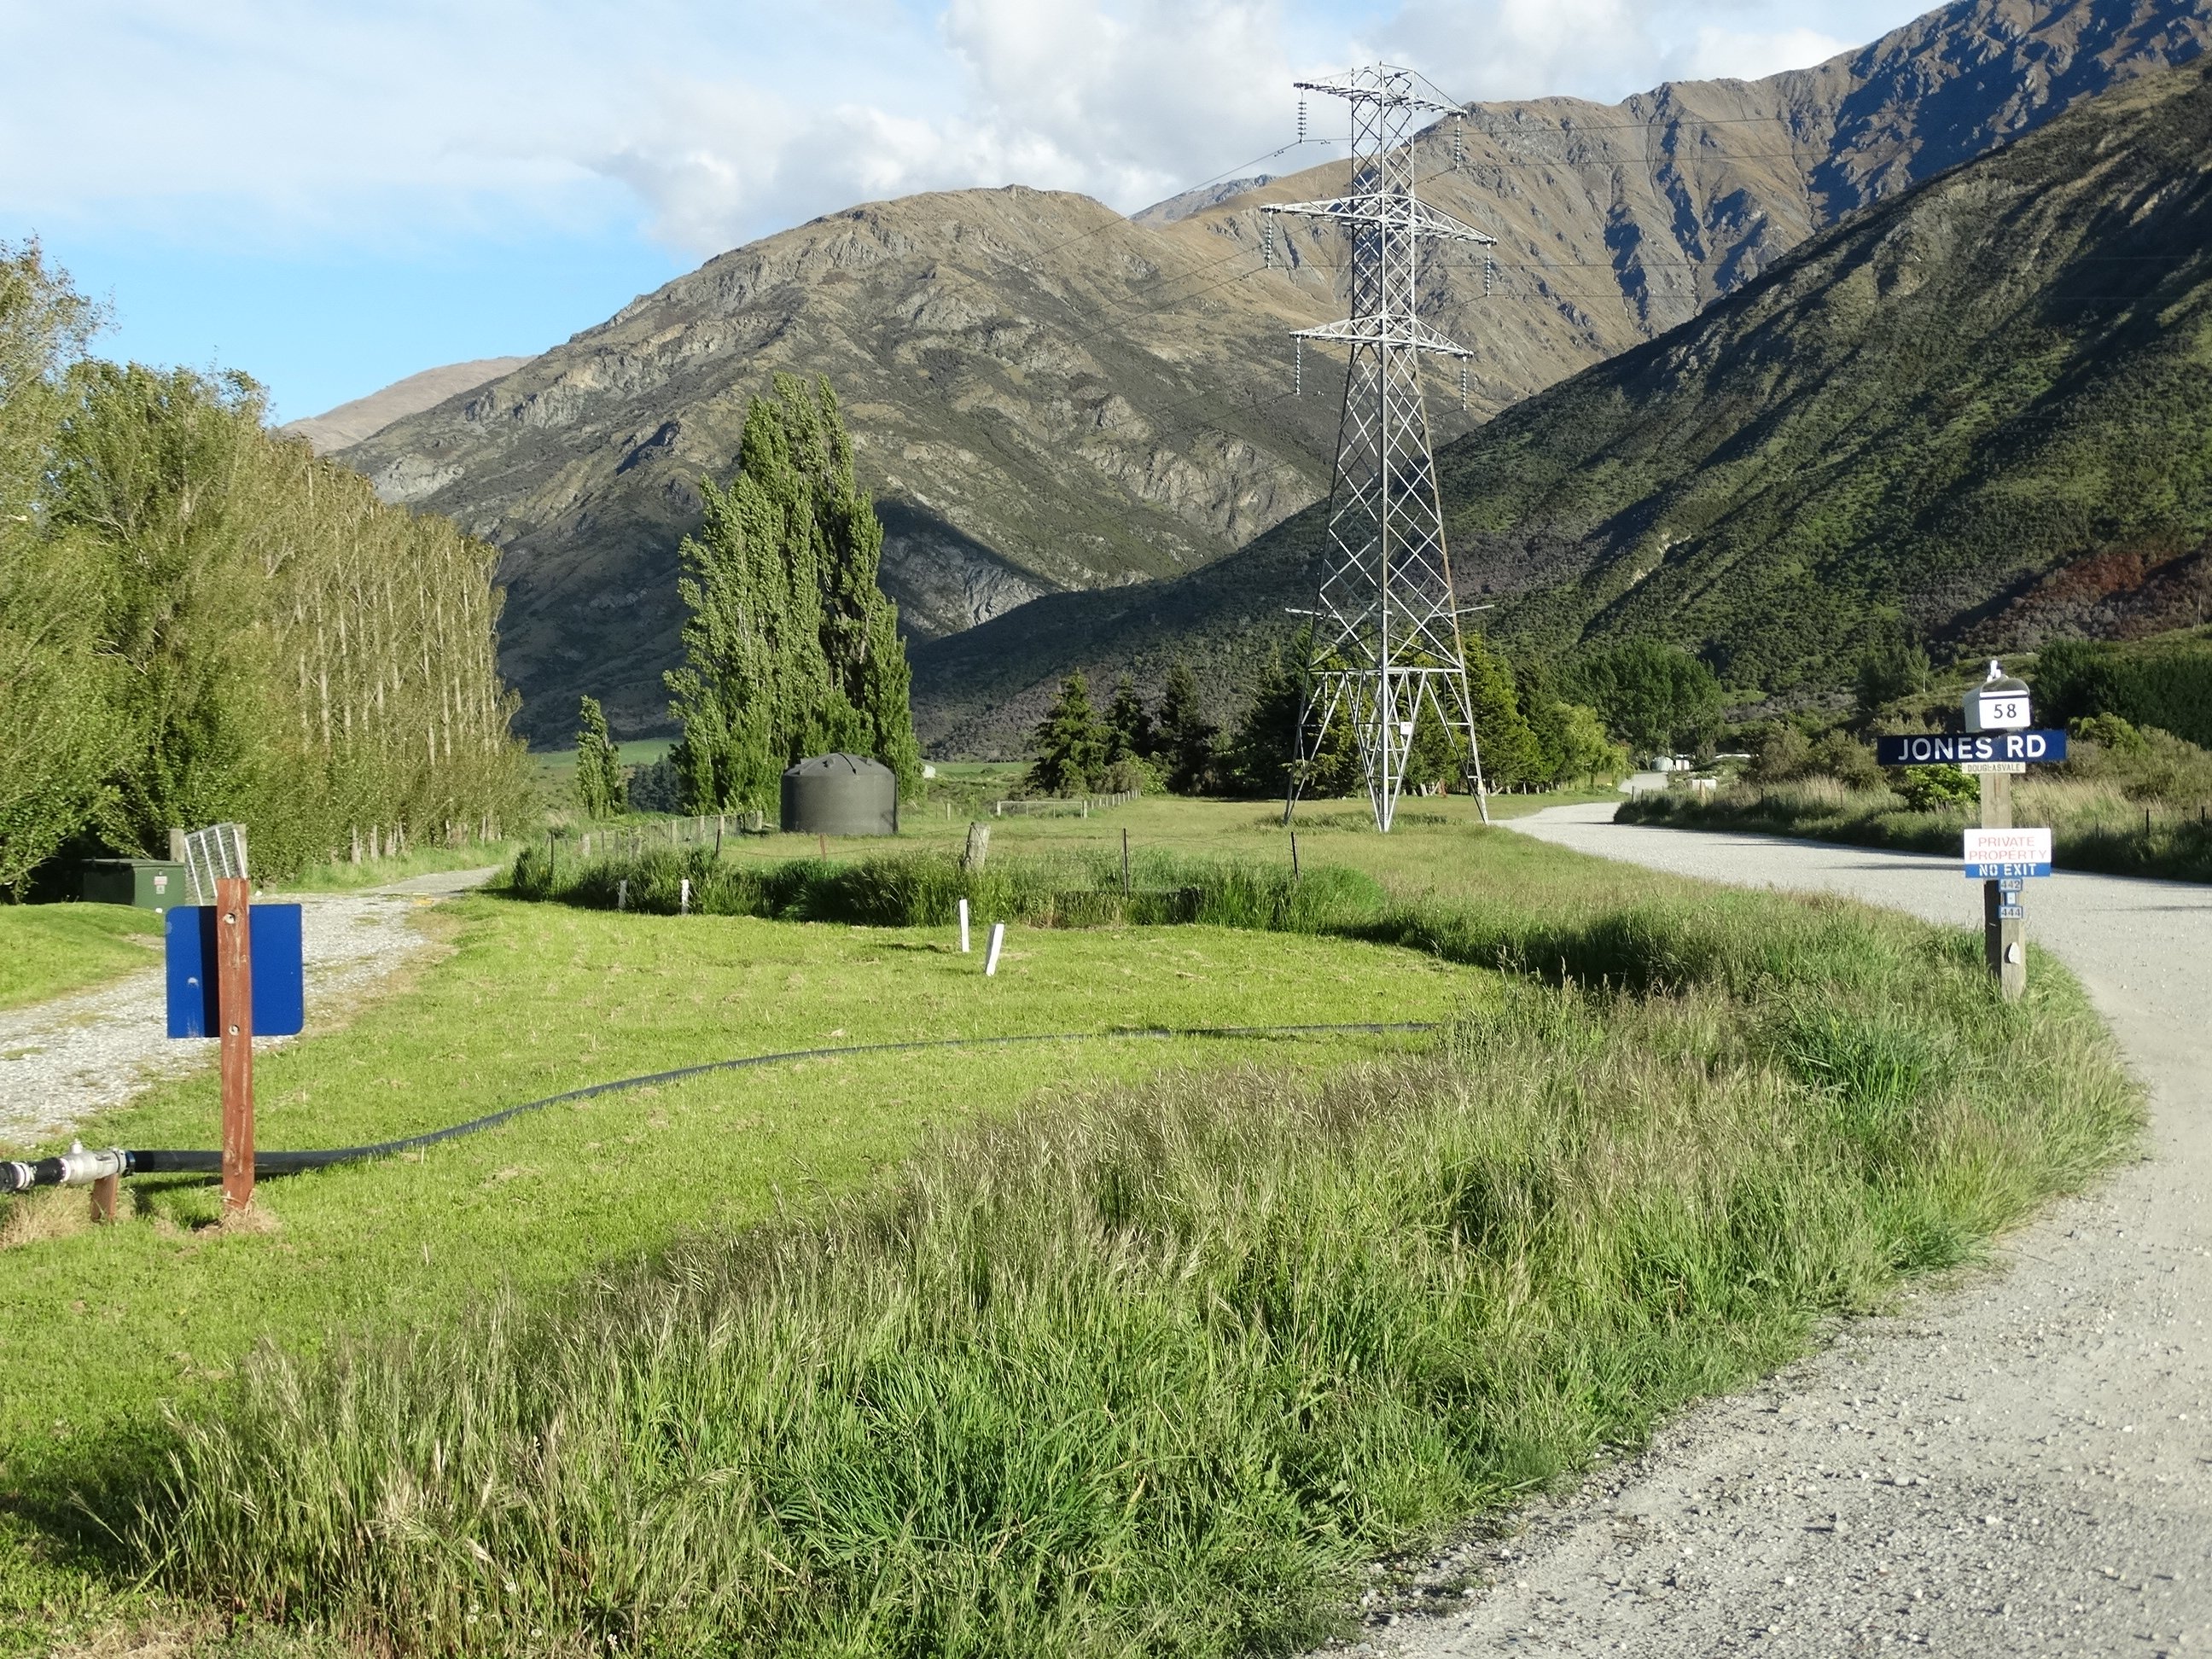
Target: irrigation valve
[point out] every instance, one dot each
(74, 1168)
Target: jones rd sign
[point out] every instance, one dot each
(1961, 749)
(2003, 855)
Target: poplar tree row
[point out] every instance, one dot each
(202, 622)
(791, 649)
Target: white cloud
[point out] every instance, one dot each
(718, 120)
(1748, 55)
(1122, 102)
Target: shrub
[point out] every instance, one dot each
(1936, 788)
(1783, 754)
(1840, 755)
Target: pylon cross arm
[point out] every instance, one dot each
(1395, 331)
(1406, 215)
(1378, 90)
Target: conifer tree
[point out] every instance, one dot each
(1128, 725)
(1510, 756)
(1070, 746)
(791, 649)
(1257, 759)
(1186, 736)
(601, 789)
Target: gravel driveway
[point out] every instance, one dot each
(2017, 1465)
(61, 1061)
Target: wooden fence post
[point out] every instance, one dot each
(233, 958)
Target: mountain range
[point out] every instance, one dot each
(364, 418)
(1048, 398)
(1977, 415)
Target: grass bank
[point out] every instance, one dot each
(2095, 826)
(1151, 1364)
(50, 951)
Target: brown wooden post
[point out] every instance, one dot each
(234, 962)
(105, 1192)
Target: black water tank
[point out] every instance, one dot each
(841, 795)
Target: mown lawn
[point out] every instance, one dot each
(50, 951)
(97, 1328)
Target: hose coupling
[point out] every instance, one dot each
(74, 1168)
(81, 1168)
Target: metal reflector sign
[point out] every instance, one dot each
(1961, 748)
(279, 982)
(2000, 854)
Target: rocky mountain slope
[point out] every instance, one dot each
(364, 418)
(1980, 413)
(1046, 396)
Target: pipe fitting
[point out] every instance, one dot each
(81, 1168)
(74, 1168)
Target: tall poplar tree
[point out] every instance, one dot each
(791, 649)
(601, 789)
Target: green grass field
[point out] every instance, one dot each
(1118, 1347)
(49, 950)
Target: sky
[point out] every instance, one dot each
(332, 197)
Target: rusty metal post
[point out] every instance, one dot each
(234, 962)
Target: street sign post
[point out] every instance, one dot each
(2000, 743)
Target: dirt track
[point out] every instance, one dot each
(2021, 1464)
(61, 1061)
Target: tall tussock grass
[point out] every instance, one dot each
(2095, 825)
(1152, 1372)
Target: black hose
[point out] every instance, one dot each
(283, 1163)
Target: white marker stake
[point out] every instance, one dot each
(684, 898)
(963, 928)
(991, 954)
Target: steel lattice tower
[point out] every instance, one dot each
(1386, 637)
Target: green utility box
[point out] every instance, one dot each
(148, 883)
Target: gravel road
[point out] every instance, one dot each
(2018, 1464)
(61, 1061)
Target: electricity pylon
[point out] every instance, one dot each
(1386, 636)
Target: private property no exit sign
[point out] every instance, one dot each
(2000, 854)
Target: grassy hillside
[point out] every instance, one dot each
(1980, 413)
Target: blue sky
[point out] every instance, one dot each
(331, 197)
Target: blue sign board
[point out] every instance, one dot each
(1958, 747)
(2004, 874)
(280, 998)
